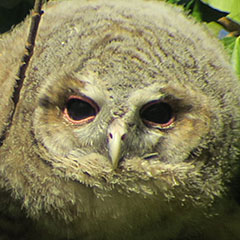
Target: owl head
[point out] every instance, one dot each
(125, 111)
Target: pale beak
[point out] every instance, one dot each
(116, 134)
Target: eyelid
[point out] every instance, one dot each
(85, 99)
(162, 126)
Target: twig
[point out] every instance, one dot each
(230, 26)
(36, 16)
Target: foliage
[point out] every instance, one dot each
(223, 19)
(230, 6)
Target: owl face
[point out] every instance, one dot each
(95, 127)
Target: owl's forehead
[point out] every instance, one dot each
(121, 61)
(126, 51)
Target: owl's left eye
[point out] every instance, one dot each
(157, 114)
(79, 110)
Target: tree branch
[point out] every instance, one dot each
(36, 16)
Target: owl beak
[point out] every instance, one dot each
(116, 135)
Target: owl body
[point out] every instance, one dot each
(127, 127)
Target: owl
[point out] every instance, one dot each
(127, 127)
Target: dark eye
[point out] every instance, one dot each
(79, 110)
(157, 114)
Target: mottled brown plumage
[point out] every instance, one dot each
(127, 127)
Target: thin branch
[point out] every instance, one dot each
(232, 27)
(36, 16)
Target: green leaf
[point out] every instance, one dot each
(173, 1)
(231, 6)
(229, 44)
(197, 13)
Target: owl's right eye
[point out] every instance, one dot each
(80, 110)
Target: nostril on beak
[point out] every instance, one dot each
(110, 135)
(123, 137)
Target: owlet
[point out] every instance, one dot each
(127, 127)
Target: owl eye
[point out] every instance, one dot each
(79, 110)
(157, 114)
